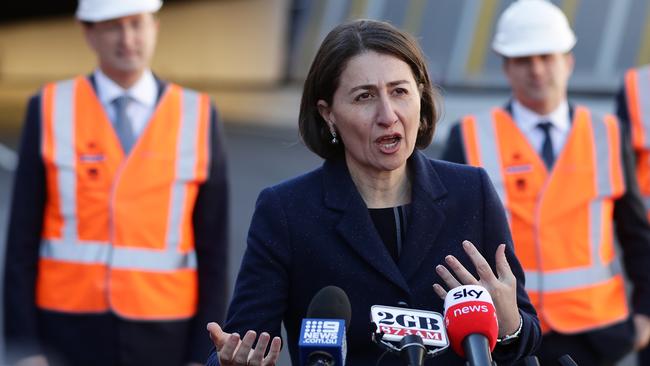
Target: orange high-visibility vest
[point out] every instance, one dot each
(637, 95)
(562, 220)
(117, 231)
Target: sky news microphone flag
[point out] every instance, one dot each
(469, 310)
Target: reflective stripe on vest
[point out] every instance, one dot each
(486, 146)
(637, 95)
(62, 128)
(118, 233)
(124, 258)
(571, 206)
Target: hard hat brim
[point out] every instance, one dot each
(532, 50)
(108, 12)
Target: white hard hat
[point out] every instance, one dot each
(532, 27)
(100, 10)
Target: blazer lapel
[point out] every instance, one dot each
(356, 226)
(426, 215)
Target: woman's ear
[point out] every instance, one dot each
(325, 112)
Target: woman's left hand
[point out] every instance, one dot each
(502, 287)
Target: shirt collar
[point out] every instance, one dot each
(527, 119)
(144, 91)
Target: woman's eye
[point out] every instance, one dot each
(363, 96)
(400, 91)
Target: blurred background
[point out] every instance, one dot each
(252, 56)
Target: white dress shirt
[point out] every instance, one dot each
(143, 93)
(527, 121)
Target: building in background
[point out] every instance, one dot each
(261, 44)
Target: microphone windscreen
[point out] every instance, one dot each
(469, 310)
(330, 302)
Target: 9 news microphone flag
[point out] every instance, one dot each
(322, 333)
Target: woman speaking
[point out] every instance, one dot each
(378, 219)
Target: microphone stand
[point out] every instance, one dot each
(477, 350)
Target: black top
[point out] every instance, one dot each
(391, 225)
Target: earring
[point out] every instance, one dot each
(334, 139)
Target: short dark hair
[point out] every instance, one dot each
(343, 43)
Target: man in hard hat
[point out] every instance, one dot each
(117, 242)
(633, 110)
(565, 177)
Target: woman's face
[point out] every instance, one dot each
(376, 112)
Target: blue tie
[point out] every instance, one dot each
(547, 146)
(123, 126)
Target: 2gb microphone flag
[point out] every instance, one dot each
(395, 323)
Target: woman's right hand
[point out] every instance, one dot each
(234, 351)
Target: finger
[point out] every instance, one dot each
(483, 268)
(257, 354)
(447, 277)
(217, 334)
(230, 345)
(439, 290)
(241, 355)
(274, 352)
(459, 270)
(504, 272)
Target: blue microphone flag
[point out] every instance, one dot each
(322, 336)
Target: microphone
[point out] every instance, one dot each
(322, 334)
(566, 360)
(471, 322)
(412, 350)
(414, 334)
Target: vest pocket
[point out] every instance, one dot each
(520, 181)
(93, 174)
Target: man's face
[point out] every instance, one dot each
(124, 46)
(539, 82)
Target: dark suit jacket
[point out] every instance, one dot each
(315, 230)
(624, 116)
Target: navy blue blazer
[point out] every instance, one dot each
(315, 230)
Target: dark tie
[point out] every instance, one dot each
(123, 123)
(547, 146)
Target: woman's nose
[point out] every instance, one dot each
(386, 112)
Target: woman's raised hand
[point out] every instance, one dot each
(233, 351)
(502, 286)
